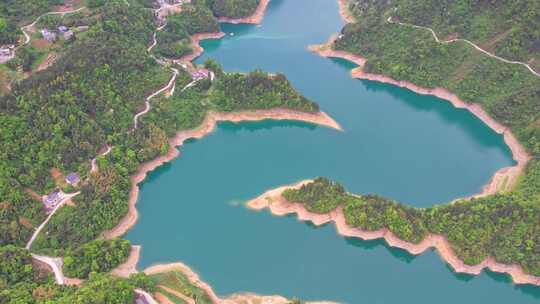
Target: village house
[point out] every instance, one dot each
(161, 3)
(140, 299)
(52, 200)
(7, 52)
(65, 31)
(200, 74)
(73, 179)
(48, 35)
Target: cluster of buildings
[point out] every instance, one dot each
(141, 299)
(200, 74)
(52, 35)
(51, 200)
(161, 3)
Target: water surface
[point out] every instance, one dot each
(416, 149)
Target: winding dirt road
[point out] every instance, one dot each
(56, 266)
(148, 107)
(389, 20)
(38, 230)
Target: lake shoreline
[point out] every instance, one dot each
(198, 50)
(205, 128)
(344, 12)
(279, 206)
(256, 18)
(505, 178)
(242, 297)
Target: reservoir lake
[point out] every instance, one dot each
(416, 149)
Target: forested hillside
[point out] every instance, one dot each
(510, 28)
(233, 8)
(60, 117)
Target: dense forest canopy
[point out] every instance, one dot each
(508, 28)
(97, 256)
(234, 8)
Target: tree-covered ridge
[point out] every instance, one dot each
(258, 90)
(508, 28)
(504, 227)
(233, 8)
(228, 92)
(98, 256)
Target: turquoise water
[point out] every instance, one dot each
(416, 149)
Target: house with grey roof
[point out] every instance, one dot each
(73, 179)
(48, 35)
(200, 74)
(51, 200)
(140, 299)
(65, 31)
(7, 52)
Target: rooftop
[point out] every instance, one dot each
(73, 178)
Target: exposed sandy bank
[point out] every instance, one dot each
(280, 206)
(505, 178)
(256, 18)
(233, 299)
(344, 11)
(196, 46)
(206, 127)
(190, 274)
(175, 293)
(129, 267)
